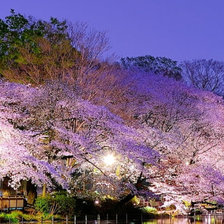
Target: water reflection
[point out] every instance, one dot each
(209, 219)
(168, 221)
(197, 220)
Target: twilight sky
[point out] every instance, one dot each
(179, 29)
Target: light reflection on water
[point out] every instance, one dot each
(198, 220)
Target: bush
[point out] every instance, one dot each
(42, 204)
(57, 203)
(16, 216)
(64, 204)
(11, 217)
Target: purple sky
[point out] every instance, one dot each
(179, 29)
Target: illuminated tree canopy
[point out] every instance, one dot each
(172, 143)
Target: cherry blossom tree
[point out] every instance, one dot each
(17, 162)
(184, 125)
(75, 135)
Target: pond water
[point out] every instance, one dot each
(197, 220)
(218, 219)
(210, 219)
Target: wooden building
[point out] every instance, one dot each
(11, 199)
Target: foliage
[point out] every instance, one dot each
(33, 51)
(63, 203)
(12, 217)
(149, 210)
(17, 216)
(43, 204)
(28, 48)
(57, 203)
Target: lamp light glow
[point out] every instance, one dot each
(97, 202)
(109, 159)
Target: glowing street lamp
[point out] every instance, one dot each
(109, 159)
(97, 202)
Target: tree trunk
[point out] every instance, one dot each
(44, 191)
